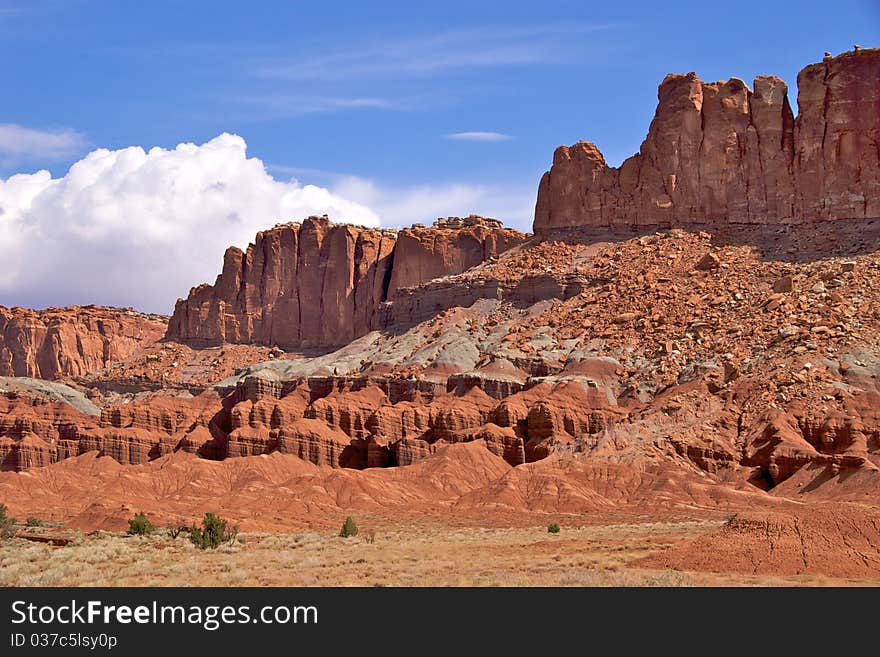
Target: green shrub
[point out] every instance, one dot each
(140, 525)
(6, 523)
(553, 528)
(348, 528)
(212, 532)
(33, 522)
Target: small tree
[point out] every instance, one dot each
(6, 523)
(140, 525)
(211, 534)
(348, 528)
(33, 521)
(553, 528)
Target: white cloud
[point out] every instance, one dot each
(404, 205)
(479, 135)
(139, 228)
(19, 143)
(135, 227)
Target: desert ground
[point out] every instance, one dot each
(391, 553)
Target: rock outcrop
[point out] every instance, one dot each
(452, 246)
(677, 347)
(677, 352)
(319, 284)
(721, 153)
(72, 341)
(39, 426)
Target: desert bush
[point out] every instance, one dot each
(174, 532)
(140, 525)
(212, 533)
(7, 524)
(553, 528)
(348, 528)
(33, 521)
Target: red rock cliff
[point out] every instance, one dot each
(320, 284)
(723, 153)
(452, 246)
(71, 341)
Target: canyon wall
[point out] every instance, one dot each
(72, 341)
(320, 284)
(721, 153)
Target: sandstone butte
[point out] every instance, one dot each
(728, 368)
(721, 153)
(59, 342)
(318, 284)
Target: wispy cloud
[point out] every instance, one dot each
(433, 53)
(19, 143)
(479, 135)
(292, 106)
(10, 8)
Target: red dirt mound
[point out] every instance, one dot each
(834, 540)
(267, 492)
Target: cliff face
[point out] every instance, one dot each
(71, 341)
(423, 254)
(305, 285)
(321, 284)
(723, 153)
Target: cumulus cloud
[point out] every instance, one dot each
(135, 227)
(18, 143)
(479, 135)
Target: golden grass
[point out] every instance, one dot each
(399, 555)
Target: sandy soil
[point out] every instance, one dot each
(385, 554)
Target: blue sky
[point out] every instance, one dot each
(363, 98)
(371, 89)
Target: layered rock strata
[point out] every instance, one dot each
(72, 341)
(319, 284)
(724, 153)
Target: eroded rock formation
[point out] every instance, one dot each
(320, 284)
(72, 341)
(676, 368)
(721, 153)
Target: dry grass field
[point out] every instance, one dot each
(385, 555)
